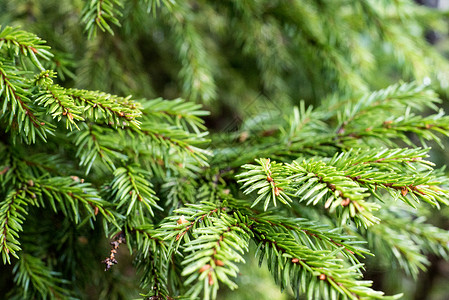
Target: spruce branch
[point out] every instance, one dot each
(346, 181)
(36, 279)
(395, 98)
(315, 236)
(305, 269)
(18, 110)
(58, 102)
(400, 128)
(215, 240)
(176, 140)
(130, 190)
(183, 114)
(153, 5)
(154, 261)
(265, 179)
(101, 13)
(198, 82)
(401, 172)
(72, 197)
(338, 158)
(12, 216)
(312, 181)
(114, 110)
(296, 250)
(177, 228)
(405, 238)
(400, 247)
(154, 275)
(213, 254)
(93, 142)
(26, 43)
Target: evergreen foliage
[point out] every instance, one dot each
(300, 133)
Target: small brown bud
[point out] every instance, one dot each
(404, 191)
(182, 220)
(30, 182)
(268, 132)
(204, 268)
(211, 280)
(277, 191)
(243, 136)
(387, 124)
(295, 260)
(82, 240)
(42, 123)
(6, 169)
(322, 277)
(219, 263)
(346, 202)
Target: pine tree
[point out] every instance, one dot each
(171, 141)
